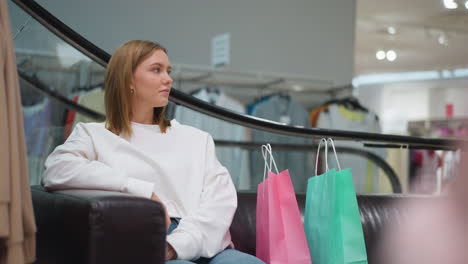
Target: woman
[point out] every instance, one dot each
(138, 151)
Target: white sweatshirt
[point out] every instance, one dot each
(180, 166)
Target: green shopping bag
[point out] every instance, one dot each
(331, 219)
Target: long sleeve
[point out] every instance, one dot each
(205, 231)
(74, 165)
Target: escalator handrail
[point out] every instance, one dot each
(69, 104)
(376, 159)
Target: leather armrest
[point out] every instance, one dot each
(92, 226)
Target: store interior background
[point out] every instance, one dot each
(314, 45)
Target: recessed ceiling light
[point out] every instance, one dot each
(380, 55)
(391, 30)
(442, 39)
(391, 55)
(450, 4)
(297, 88)
(446, 74)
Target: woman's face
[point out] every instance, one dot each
(151, 81)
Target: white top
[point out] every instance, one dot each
(180, 166)
(365, 173)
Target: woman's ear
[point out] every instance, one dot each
(132, 85)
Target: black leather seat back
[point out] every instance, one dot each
(376, 212)
(95, 227)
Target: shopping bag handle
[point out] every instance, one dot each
(266, 149)
(265, 161)
(326, 154)
(334, 151)
(318, 153)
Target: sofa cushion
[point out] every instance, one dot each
(85, 226)
(376, 212)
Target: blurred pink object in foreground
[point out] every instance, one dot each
(432, 233)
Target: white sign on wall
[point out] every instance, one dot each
(220, 50)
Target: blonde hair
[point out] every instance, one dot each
(118, 76)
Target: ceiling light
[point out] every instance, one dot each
(466, 4)
(391, 30)
(297, 88)
(380, 55)
(450, 4)
(442, 39)
(447, 74)
(391, 55)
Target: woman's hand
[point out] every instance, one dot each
(154, 197)
(170, 252)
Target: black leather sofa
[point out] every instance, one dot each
(87, 226)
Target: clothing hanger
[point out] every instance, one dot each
(213, 94)
(353, 103)
(281, 94)
(350, 102)
(213, 89)
(284, 94)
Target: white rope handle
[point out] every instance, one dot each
(265, 160)
(334, 151)
(271, 157)
(266, 149)
(318, 153)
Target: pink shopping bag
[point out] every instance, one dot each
(280, 232)
(262, 223)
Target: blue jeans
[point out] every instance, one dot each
(227, 256)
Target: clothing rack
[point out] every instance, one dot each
(183, 73)
(425, 127)
(202, 75)
(275, 127)
(101, 57)
(271, 126)
(27, 57)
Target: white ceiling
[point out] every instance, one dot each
(418, 24)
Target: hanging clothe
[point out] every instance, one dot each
(37, 120)
(41, 136)
(365, 173)
(69, 120)
(93, 100)
(251, 107)
(315, 114)
(426, 162)
(451, 165)
(234, 159)
(285, 110)
(43, 123)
